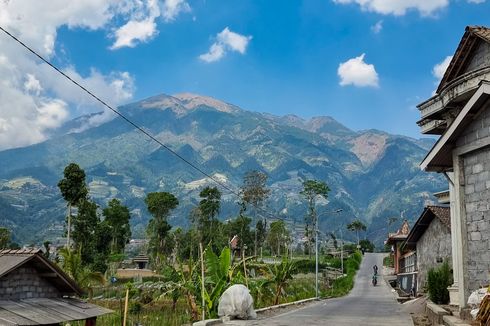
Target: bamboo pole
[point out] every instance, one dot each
(244, 267)
(126, 307)
(202, 281)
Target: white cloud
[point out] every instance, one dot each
(226, 40)
(476, 1)
(172, 8)
(440, 68)
(358, 73)
(142, 23)
(378, 27)
(133, 31)
(399, 7)
(33, 98)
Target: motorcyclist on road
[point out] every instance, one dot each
(375, 269)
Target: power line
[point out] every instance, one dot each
(194, 166)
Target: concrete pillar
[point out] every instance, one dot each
(454, 288)
(460, 230)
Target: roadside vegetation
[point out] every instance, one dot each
(192, 267)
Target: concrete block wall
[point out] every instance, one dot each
(481, 57)
(476, 166)
(433, 244)
(25, 283)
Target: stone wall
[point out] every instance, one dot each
(476, 166)
(481, 57)
(433, 247)
(25, 283)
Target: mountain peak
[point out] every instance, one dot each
(193, 101)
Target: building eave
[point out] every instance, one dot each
(439, 158)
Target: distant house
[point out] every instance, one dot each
(429, 241)
(34, 291)
(396, 241)
(404, 259)
(459, 112)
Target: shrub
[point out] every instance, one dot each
(438, 279)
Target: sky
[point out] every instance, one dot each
(366, 63)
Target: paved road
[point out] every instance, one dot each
(365, 305)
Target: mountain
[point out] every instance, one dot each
(373, 175)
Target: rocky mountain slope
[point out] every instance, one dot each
(373, 175)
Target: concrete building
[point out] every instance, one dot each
(429, 243)
(460, 113)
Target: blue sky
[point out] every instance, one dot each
(281, 57)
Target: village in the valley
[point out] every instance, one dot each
(187, 210)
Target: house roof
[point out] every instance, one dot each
(442, 213)
(472, 36)
(440, 157)
(42, 311)
(399, 235)
(13, 259)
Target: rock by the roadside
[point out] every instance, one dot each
(236, 302)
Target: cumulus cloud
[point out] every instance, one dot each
(376, 28)
(399, 7)
(226, 41)
(440, 68)
(358, 73)
(142, 23)
(34, 99)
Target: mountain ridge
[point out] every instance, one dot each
(363, 169)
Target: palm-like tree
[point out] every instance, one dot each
(83, 276)
(356, 226)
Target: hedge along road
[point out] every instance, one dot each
(365, 305)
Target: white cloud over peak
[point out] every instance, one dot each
(440, 68)
(358, 73)
(226, 41)
(33, 98)
(399, 7)
(133, 31)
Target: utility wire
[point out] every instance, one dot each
(194, 166)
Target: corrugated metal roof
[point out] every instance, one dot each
(42, 311)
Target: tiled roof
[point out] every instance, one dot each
(442, 213)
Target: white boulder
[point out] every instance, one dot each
(236, 302)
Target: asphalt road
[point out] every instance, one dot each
(365, 305)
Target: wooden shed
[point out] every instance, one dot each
(35, 291)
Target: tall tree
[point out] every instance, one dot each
(73, 189)
(85, 225)
(254, 192)
(278, 236)
(311, 190)
(4, 238)
(356, 226)
(117, 217)
(209, 207)
(159, 204)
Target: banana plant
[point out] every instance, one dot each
(221, 272)
(280, 274)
